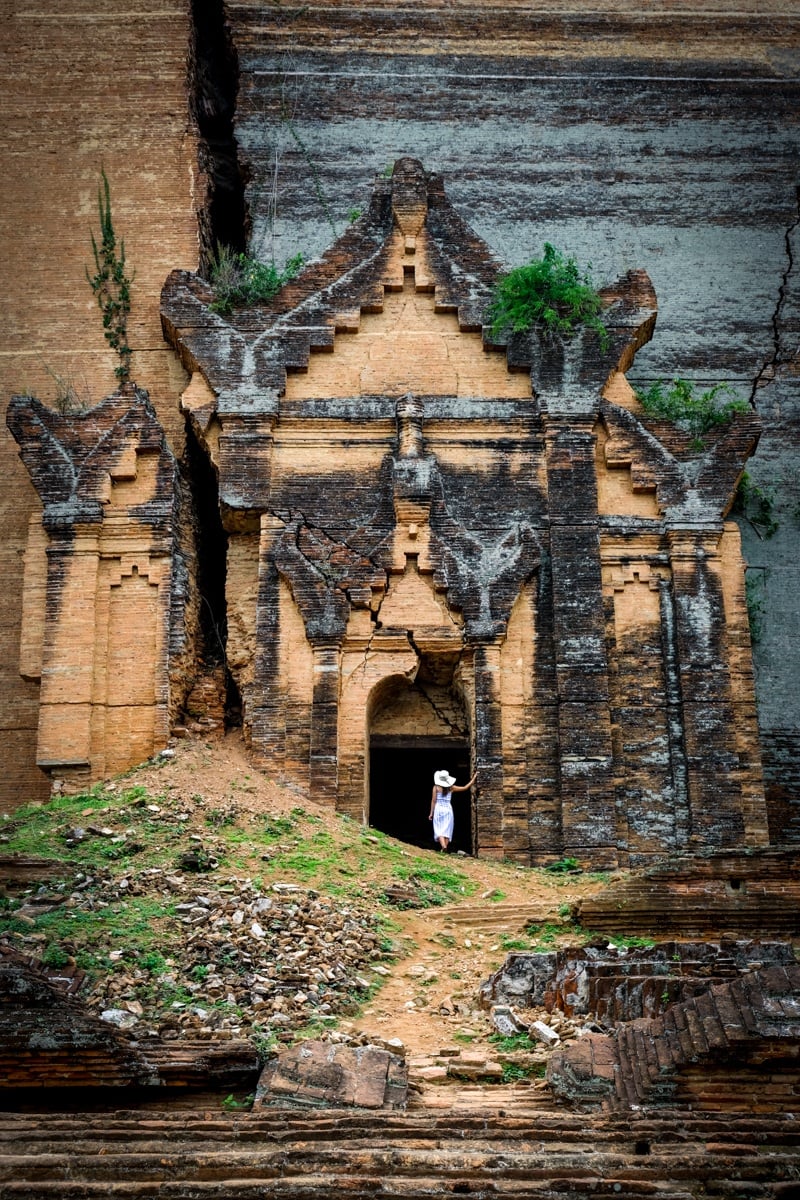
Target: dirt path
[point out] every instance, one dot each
(429, 997)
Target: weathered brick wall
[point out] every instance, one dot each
(85, 87)
(662, 139)
(418, 499)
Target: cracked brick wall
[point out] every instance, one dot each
(664, 140)
(455, 536)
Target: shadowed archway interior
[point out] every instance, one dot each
(401, 779)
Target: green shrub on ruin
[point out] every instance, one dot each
(695, 413)
(239, 279)
(551, 294)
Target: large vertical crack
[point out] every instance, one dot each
(770, 367)
(213, 86)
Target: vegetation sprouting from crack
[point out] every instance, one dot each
(695, 413)
(110, 283)
(239, 279)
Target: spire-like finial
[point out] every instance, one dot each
(410, 412)
(409, 195)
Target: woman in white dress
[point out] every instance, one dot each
(441, 806)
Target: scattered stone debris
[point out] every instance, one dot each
(268, 960)
(544, 1033)
(506, 1021)
(50, 1039)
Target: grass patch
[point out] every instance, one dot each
(513, 943)
(543, 937)
(509, 1043)
(564, 866)
(514, 1072)
(142, 927)
(436, 882)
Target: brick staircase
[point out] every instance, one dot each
(734, 1047)
(544, 1154)
(496, 917)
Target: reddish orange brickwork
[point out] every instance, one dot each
(437, 539)
(85, 89)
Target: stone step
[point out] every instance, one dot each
(532, 1155)
(492, 917)
(281, 1124)
(323, 1187)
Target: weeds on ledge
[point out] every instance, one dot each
(695, 414)
(550, 294)
(757, 506)
(240, 279)
(564, 866)
(111, 283)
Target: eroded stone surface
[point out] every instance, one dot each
(613, 984)
(319, 1074)
(723, 1038)
(414, 535)
(105, 582)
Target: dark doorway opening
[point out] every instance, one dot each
(400, 783)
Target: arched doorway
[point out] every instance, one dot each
(415, 729)
(401, 779)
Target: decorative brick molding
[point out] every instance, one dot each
(405, 497)
(103, 586)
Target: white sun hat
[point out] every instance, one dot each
(443, 780)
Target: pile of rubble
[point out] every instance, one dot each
(269, 961)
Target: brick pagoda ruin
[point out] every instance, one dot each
(440, 546)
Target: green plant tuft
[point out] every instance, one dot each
(564, 866)
(240, 279)
(233, 1103)
(757, 505)
(513, 1072)
(507, 1043)
(513, 943)
(111, 284)
(550, 294)
(54, 956)
(695, 414)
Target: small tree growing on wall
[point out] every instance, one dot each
(550, 294)
(111, 284)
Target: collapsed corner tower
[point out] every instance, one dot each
(438, 549)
